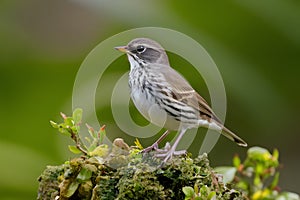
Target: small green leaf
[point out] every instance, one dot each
(188, 191)
(77, 115)
(236, 161)
(254, 152)
(227, 172)
(275, 154)
(72, 189)
(68, 121)
(74, 149)
(275, 181)
(211, 195)
(204, 190)
(84, 175)
(242, 185)
(259, 169)
(75, 129)
(64, 131)
(196, 189)
(257, 181)
(54, 124)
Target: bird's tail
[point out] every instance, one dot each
(227, 133)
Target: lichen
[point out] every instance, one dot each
(49, 182)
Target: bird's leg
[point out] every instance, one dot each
(172, 151)
(155, 144)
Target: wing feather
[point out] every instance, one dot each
(185, 93)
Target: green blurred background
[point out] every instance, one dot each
(255, 44)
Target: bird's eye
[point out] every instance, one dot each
(140, 49)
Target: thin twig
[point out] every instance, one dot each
(78, 142)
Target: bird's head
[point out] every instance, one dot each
(144, 50)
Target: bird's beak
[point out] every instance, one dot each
(123, 49)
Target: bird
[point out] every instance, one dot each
(165, 98)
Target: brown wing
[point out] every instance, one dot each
(184, 92)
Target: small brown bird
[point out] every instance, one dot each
(164, 97)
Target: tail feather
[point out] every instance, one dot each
(227, 133)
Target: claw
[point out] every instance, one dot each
(150, 148)
(172, 150)
(179, 153)
(168, 151)
(170, 154)
(155, 144)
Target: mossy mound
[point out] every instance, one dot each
(125, 173)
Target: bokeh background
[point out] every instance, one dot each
(255, 44)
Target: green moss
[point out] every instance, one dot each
(49, 182)
(126, 174)
(123, 172)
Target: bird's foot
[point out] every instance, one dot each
(156, 149)
(168, 152)
(154, 146)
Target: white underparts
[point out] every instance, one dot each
(210, 125)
